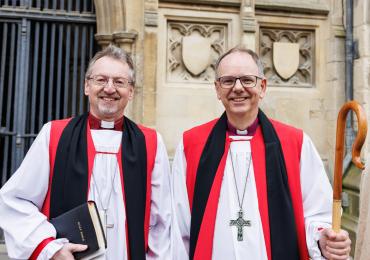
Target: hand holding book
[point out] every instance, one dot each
(67, 251)
(82, 226)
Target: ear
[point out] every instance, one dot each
(131, 92)
(86, 88)
(217, 88)
(263, 88)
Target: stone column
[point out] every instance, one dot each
(249, 24)
(150, 64)
(103, 23)
(132, 40)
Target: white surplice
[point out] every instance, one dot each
(22, 197)
(316, 197)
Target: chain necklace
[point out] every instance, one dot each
(105, 208)
(240, 222)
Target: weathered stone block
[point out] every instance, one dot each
(362, 35)
(336, 51)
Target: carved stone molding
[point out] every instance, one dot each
(151, 4)
(125, 40)
(104, 39)
(320, 7)
(247, 8)
(304, 75)
(206, 2)
(111, 24)
(249, 24)
(151, 13)
(151, 18)
(204, 43)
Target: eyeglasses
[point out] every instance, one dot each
(103, 81)
(247, 81)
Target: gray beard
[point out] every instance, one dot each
(107, 110)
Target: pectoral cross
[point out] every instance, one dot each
(240, 223)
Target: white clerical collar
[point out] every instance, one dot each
(96, 124)
(107, 124)
(241, 132)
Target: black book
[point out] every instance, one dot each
(82, 225)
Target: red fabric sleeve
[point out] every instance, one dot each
(40, 247)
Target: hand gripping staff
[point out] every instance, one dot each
(356, 150)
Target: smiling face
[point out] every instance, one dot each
(241, 104)
(108, 103)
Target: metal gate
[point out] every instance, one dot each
(45, 46)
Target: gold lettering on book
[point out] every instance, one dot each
(81, 231)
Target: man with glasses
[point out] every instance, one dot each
(101, 156)
(248, 187)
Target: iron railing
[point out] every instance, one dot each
(45, 46)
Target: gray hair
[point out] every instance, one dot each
(242, 49)
(117, 54)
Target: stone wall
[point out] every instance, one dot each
(175, 80)
(361, 26)
(304, 98)
(175, 44)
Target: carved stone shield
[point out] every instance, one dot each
(196, 53)
(286, 58)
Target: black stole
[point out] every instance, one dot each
(283, 235)
(70, 178)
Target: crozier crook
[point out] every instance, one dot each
(339, 147)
